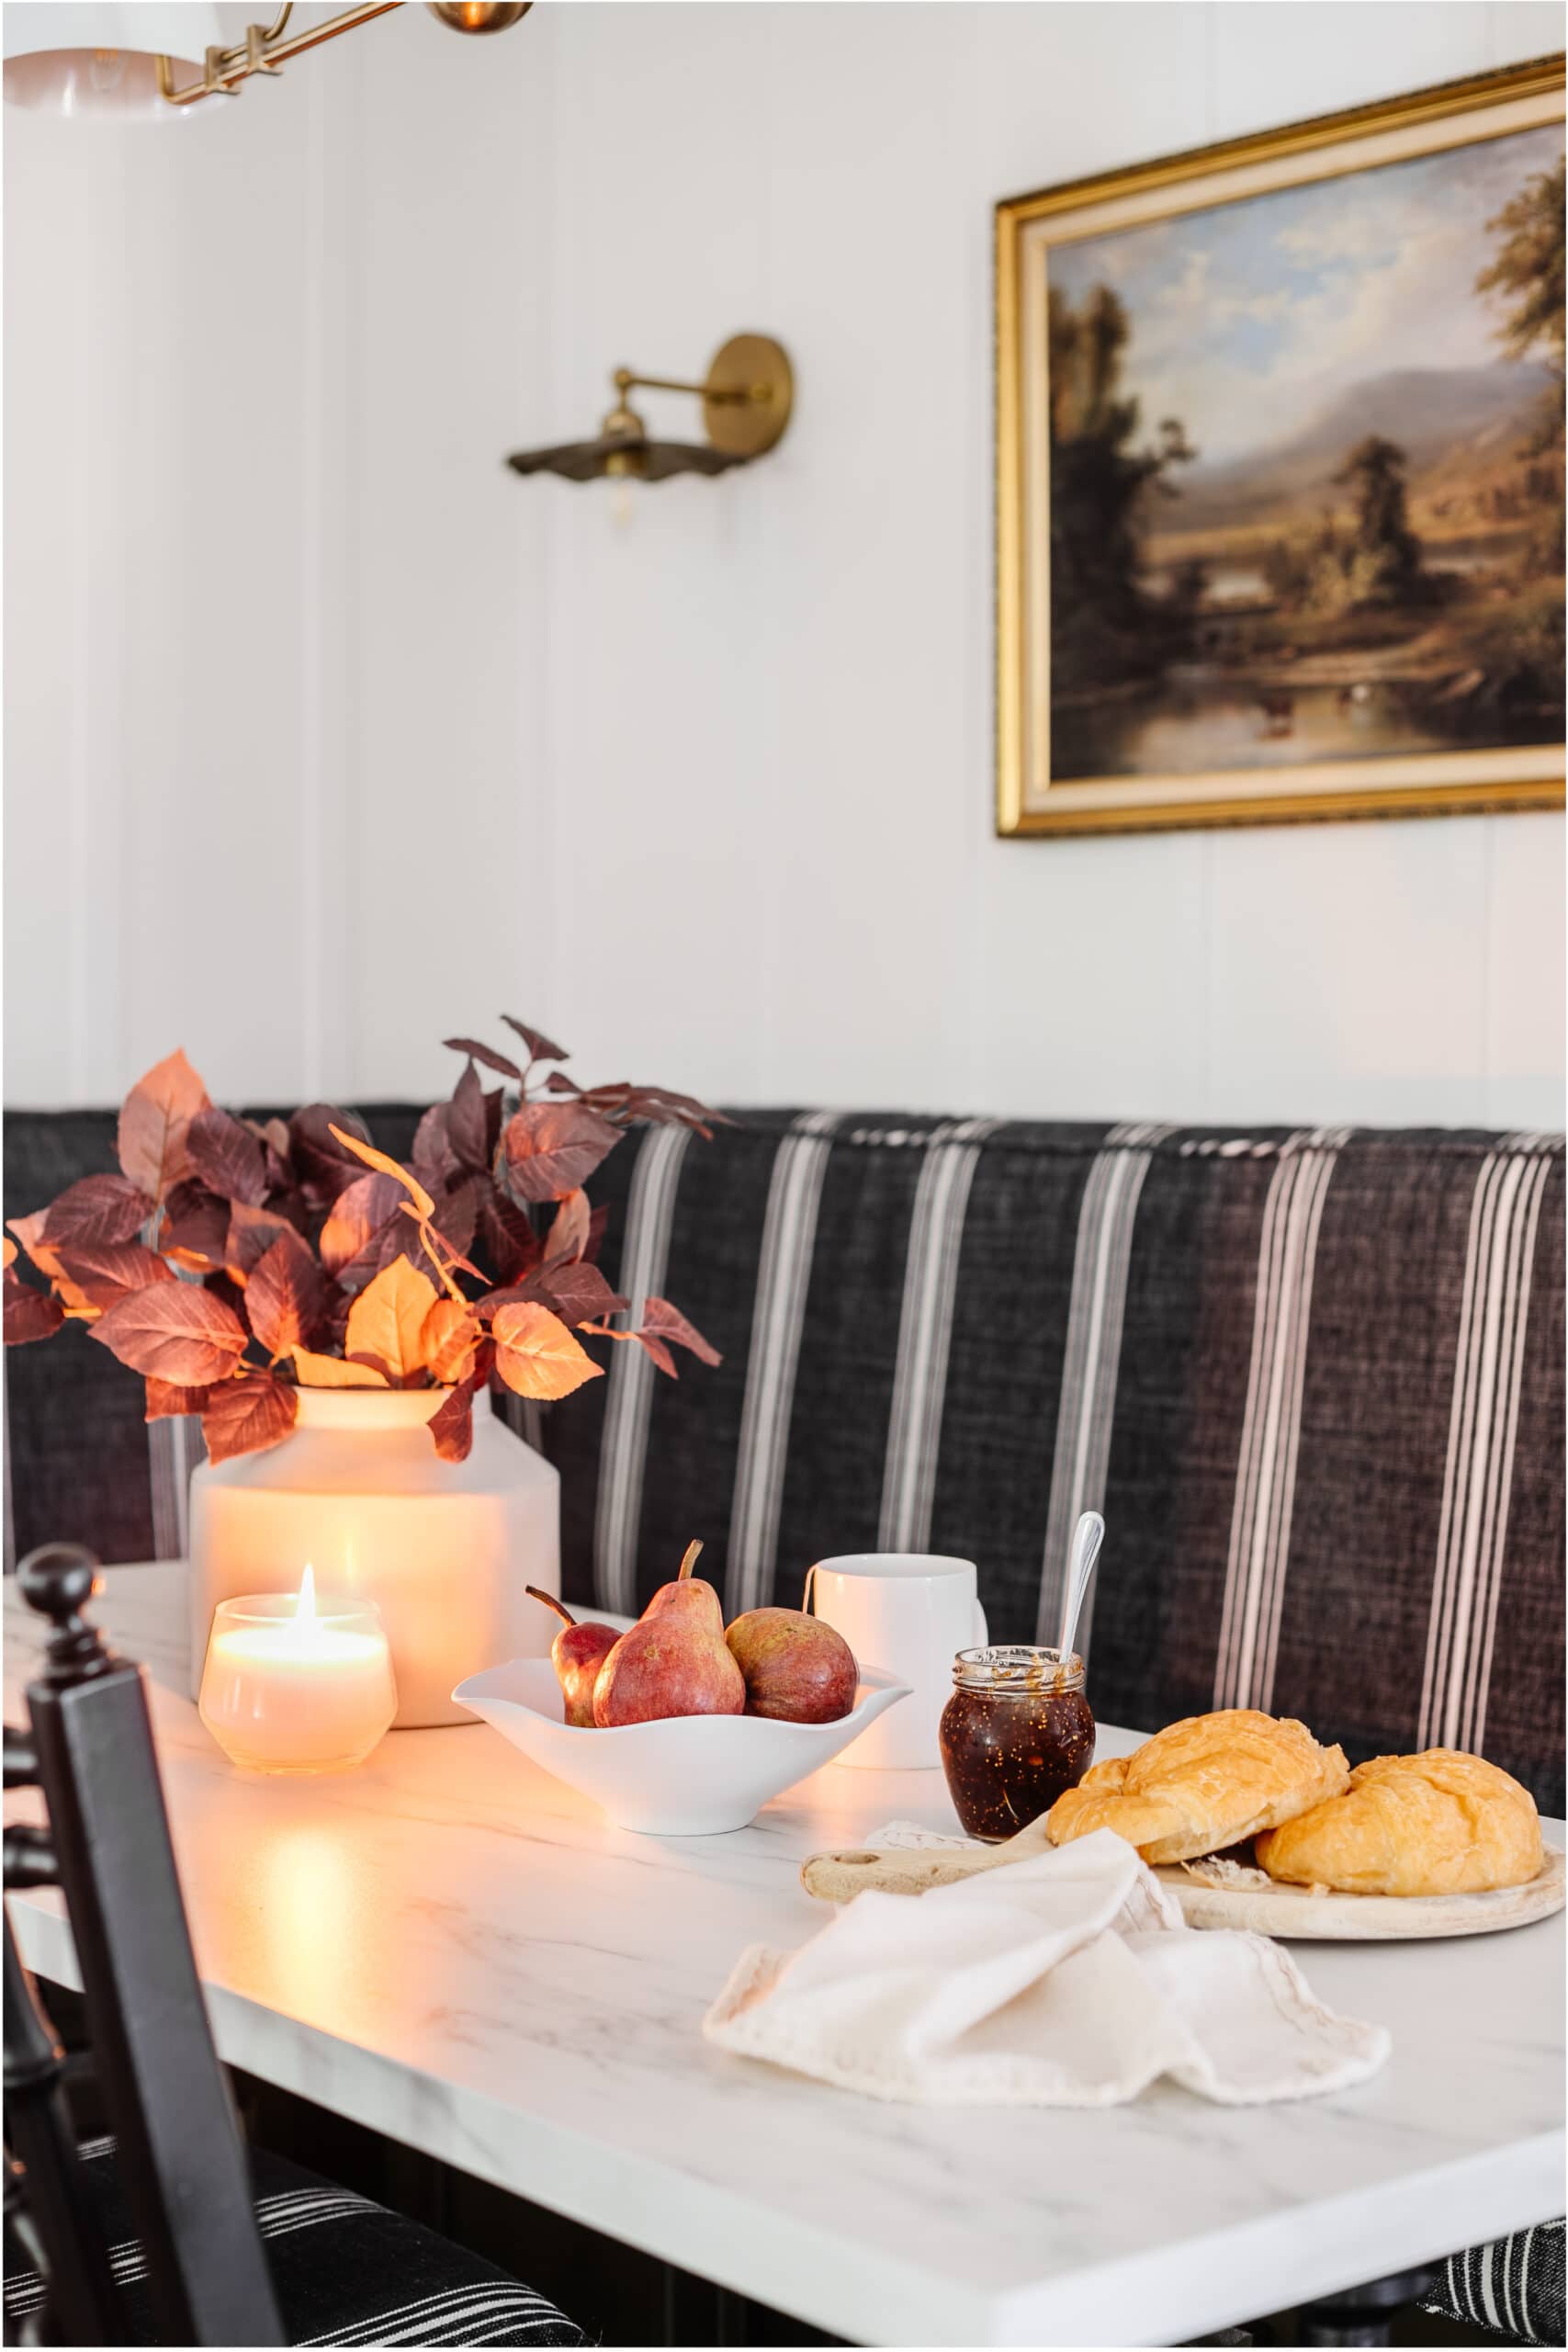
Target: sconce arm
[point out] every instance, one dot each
(263, 50)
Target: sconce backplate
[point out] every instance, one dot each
(754, 364)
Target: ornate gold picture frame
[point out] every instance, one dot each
(1280, 473)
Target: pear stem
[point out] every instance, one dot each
(550, 1603)
(690, 1561)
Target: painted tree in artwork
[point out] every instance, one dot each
(1527, 271)
(1386, 559)
(1101, 623)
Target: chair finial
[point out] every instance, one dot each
(58, 1581)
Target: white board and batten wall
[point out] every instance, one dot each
(326, 737)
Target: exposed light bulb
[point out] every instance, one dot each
(623, 504)
(106, 70)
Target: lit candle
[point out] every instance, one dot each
(291, 1686)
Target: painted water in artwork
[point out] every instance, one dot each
(1307, 471)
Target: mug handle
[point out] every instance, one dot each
(982, 1631)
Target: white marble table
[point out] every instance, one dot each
(453, 1949)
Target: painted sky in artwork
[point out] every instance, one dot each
(1249, 318)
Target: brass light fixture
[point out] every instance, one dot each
(128, 59)
(746, 396)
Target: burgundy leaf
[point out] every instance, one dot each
(286, 1298)
(497, 1062)
(155, 1125)
(244, 1415)
(551, 1147)
(503, 1234)
(101, 1209)
(28, 1314)
(577, 1291)
(360, 1215)
(669, 1322)
(431, 1144)
(103, 1275)
(324, 1167)
(452, 1423)
(466, 1120)
(227, 1156)
(251, 1233)
(539, 1046)
(195, 1231)
(176, 1331)
(167, 1401)
(657, 1351)
(457, 1205)
(596, 1224)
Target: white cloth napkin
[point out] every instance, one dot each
(1068, 1980)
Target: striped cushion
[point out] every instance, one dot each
(1313, 1379)
(1514, 2287)
(346, 2270)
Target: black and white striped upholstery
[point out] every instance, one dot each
(1314, 1379)
(346, 2270)
(1513, 2288)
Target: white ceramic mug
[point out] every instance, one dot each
(909, 1612)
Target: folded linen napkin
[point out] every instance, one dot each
(1068, 1980)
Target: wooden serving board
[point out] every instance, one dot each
(1297, 1913)
(1274, 1910)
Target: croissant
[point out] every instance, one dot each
(1207, 1781)
(1439, 1823)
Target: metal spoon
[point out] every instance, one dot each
(1087, 1537)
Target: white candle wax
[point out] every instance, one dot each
(297, 1692)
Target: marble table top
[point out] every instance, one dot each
(453, 1949)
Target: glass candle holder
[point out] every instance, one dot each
(289, 1686)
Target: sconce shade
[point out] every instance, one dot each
(480, 16)
(626, 454)
(90, 57)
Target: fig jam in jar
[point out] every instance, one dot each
(1016, 1732)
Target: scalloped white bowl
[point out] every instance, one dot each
(685, 1776)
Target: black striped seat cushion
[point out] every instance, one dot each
(1514, 2287)
(346, 2270)
(1313, 1379)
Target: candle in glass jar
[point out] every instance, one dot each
(292, 1684)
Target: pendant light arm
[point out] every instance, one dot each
(263, 51)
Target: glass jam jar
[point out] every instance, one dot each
(1016, 1732)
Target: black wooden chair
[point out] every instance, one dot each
(167, 2230)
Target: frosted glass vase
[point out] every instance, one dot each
(359, 1493)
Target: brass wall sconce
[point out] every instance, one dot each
(746, 396)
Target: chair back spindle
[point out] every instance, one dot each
(108, 1848)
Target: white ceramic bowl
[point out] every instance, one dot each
(686, 1775)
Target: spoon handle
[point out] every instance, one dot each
(1087, 1537)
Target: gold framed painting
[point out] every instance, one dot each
(1280, 473)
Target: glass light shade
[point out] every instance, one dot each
(294, 1685)
(92, 57)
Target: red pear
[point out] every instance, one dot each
(673, 1661)
(577, 1654)
(797, 1668)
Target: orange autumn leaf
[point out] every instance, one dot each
(331, 1372)
(568, 1236)
(536, 1355)
(7, 1251)
(387, 1321)
(374, 1159)
(450, 1335)
(155, 1125)
(28, 1231)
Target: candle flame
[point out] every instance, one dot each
(305, 1613)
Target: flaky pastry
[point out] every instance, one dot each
(1205, 1783)
(1442, 1823)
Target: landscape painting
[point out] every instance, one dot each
(1289, 474)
